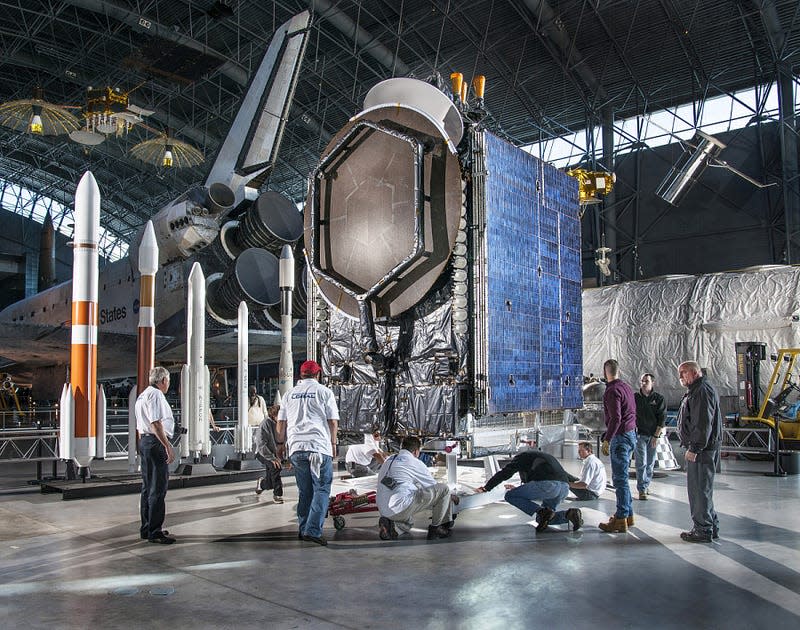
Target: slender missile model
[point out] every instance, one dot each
(47, 254)
(146, 334)
(79, 397)
(242, 441)
(195, 380)
(286, 283)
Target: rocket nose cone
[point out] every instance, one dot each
(286, 252)
(148, 251)
(87, 209)
(286, 268)
(88, 179)
(196, 276)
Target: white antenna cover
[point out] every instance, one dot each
(421, 97)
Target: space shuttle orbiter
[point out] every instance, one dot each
(235, 233)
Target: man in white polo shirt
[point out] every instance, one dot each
(307, 422)
(593, 475)
(405, 487)
(155, 424)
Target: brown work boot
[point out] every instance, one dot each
(615, 525)
(543, 517)
(629, 520)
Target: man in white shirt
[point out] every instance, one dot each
(155, 424)
(593, 475)
(405, 487)
(365, 459)
(307, 423)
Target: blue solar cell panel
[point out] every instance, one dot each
(533, 249)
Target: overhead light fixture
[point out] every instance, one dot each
(166, 161)
(37, 116)
(689, 167)
(36, 125)
(167, 152)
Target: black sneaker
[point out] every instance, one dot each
(696, 537)
(277, 498)
(543, 517)
(161, 539)
(145, 537)
(575, 517)
(715, 533)
(386, 529)
(437, 531)
(319, 540)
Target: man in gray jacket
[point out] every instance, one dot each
(700, 430)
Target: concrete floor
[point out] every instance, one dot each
(238, 563)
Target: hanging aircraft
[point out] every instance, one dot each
(238, 256)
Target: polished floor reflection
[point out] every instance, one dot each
(238, 563)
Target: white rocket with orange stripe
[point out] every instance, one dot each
(146, 336)
(79, 399)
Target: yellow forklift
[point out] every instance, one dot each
(782, 399)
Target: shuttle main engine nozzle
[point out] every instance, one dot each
(270, 223)
(252, 278)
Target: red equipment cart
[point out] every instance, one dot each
(350, 502)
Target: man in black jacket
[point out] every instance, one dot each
(651, 411)
(700, 430)
(543, 479)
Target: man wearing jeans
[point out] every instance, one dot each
(651, 412)
(308, 421)
(544, 480)
(619, 407)
(700, 430)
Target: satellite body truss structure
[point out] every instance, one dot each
(446, 271)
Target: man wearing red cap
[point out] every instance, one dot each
(307, 425)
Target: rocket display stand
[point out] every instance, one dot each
(202, 467)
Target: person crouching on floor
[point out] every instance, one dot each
(365, 459)
(267, 454)
(543, 479)
(405, 487)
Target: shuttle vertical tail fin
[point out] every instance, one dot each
(248, 153)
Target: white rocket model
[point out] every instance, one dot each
(79, 415)
(195, 385)
(286, 281)
(242, 438)
(146, 334)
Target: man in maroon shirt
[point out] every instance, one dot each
(619, 406)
